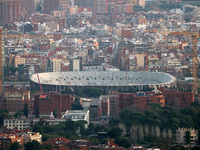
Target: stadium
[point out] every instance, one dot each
(109, 80)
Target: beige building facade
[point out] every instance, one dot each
(19, 60)
(30, 136)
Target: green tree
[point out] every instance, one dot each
(115, 132)
(90, 129)
(15, 146)
(5, 146)
(26, 111)
(33, 145)
(37, 128)
(3, 114)
(130, 117)
(162, 143)
(70, 125)
(10, 70)
(18, 114)
(56, 113)
(80, 125)
(48, 147)
(75, 106)
(137, 8)
(42, 122)
(123, 141)
(39, 8)
(114, 122)
(94, 141)
(177, 147)
(187, 19)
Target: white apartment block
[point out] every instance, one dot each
(186, 136)
(17, 123)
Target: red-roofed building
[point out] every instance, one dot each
(15, 99)
(59, 143)
(79, 144)
(11, 138)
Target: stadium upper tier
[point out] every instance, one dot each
(104, 78)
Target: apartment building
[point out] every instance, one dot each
(15, 99)
(19, 61)
(95, 109)
(118, 8)
(75, 65)
(50, 5)
(28, 5)
(186, 136)
(56, 65)
(114, 104)
(100, 6)
(105, 105)
(17, 123)
(30, 136)
(44, 104)
(140, 100)
(10, 12)
(177, 99)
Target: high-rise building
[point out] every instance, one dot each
(119, 8)
(75, 65)
(100, 6)
(28, 5)
(9, 12)
(65, 2)
(50, 5)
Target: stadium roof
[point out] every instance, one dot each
(103, 78)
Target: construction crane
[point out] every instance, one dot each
(16, 81)
(38, 80)
(1, 68)
(195, 65)
(12, 57)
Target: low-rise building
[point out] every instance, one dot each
(176, 98)
(17, 123)
(141, 100)
(186, 136)
(30, 136)
(10, 138)
(15, 99)
(79, 144)
(76, 115)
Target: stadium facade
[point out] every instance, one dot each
(109, 80)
